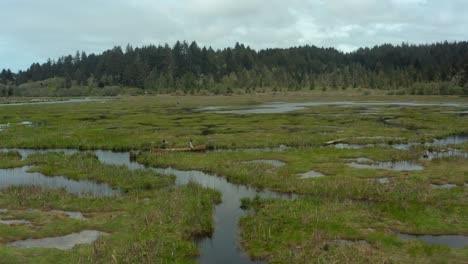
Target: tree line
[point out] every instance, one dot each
(439, 68)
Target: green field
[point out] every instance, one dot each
(345, 216)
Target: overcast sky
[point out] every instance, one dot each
(34, 30)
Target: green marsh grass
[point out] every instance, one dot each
(10, 159)
(154, 221)
(304, 231)
(113, 124)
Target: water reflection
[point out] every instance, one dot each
(280, 107)
(311, 174)
(64, 242)
(454, 241)
(389, 165)
(274, 163)
(451, 140)
(21, 177)
(76, 100)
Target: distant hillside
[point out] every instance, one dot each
(440, 68)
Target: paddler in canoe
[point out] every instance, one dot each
(164, 144)
(191, 147)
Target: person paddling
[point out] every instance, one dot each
(164, 144)
(190, 144)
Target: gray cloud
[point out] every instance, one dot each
(36, 30)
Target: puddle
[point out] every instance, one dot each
(363, 160)
(352, 146)
(454, 241)
(388, 165)
(444, 186)
(77, 100)
(360, 146)
(274, 163)
(14, 222)
(27, 123)
(451, 140)
(64, 242)
(277, 108)
(72, 215)
(2, 211)
(311, 174)
(210, 108)
(382, 180)
(430, 155)
(20, 177)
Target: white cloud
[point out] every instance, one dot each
(37, 30)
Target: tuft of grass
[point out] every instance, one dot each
(10, 159)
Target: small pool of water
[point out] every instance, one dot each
(430, 155)
(311, 174)
(14, 222)
(71, 215)
(454, 241)
(21, 177)
(362, 160)
(451, 140)
(389, 165)
(275, 163)
(444, 186)
(382, 180)
(64, 242)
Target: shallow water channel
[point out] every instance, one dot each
(75, 100)
(21, 177)
(450, 140)
(223, 246)
(280, 107)
(454, 241)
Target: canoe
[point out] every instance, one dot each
(333, 142)
(194, 149)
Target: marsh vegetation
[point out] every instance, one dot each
(301, 201)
